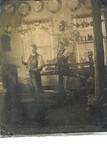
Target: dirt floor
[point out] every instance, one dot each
(50, 113)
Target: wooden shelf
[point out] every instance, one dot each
(90, 41)
(85, 42)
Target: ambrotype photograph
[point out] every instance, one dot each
(53, 67)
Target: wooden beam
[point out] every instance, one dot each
(99, 51)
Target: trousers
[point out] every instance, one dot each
(35, 78)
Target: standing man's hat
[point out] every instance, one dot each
(34, 46)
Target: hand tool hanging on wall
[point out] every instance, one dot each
(9, 9)
(87, 4)
(54, 5)
(61, 26)
(24, 8)
(38, 5)
(73, 5)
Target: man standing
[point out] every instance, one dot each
(35, 64)
(62, 55)
(62, 59)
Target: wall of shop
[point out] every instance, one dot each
(45, 29)
(45, 35)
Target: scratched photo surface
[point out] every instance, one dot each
(53, 67)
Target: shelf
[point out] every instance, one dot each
(85, 42)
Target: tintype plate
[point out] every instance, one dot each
(53, 67)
